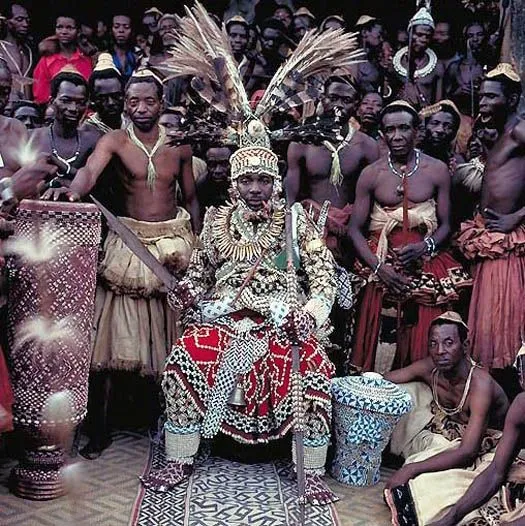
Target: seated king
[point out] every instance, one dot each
(248, 305)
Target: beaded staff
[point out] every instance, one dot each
(297, 389)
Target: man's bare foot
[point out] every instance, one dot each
(317, 491)
(165, 479)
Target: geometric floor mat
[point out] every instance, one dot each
(225, 493)
(102, 496)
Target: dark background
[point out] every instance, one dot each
(394, 12)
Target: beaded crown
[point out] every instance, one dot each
(254, 154)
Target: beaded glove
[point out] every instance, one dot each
(181, 297)
(299, 325)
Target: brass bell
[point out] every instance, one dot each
(237, 398)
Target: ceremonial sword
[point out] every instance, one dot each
(136, 246)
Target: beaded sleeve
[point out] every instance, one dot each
(200, 276)
(318, 264)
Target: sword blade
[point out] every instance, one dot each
(135, 245)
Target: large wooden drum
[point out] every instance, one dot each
(52, 278)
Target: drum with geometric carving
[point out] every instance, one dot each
(52, 264)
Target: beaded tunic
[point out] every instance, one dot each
(233, 242)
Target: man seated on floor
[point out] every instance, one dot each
(497, 473)
(245, 323)
(444, 444)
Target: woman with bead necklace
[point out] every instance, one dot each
(400, 222)
(446, 438)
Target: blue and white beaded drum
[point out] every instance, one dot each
(366, 409)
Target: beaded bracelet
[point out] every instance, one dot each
(431, 245)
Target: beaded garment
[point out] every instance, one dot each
(232, 243)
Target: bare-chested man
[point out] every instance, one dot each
(487, 483)
(12, 132)
(17, 52)
(455, 423)
(495, 240)
(403, 201)
(330, 171)
(69, 144)
(134, 326)
(424, 72)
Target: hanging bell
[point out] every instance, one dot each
(237, 398)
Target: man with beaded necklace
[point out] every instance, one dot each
(446, 438)
(69, 144)
(243, 320)
(404, 198)
(417, 68)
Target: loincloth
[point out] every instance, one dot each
(171, 242)
(424, 433)
(451, 429)
(476, 242)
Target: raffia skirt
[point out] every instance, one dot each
(134, 329)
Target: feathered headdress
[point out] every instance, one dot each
(202, 50)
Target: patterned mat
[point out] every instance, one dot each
(225, 493)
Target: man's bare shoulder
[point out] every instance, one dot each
(89, 136)
(297, 148)
(482, 383)
(432, 162)
(374, 168)
(115, 139)
(364, 139)
(434, 166)
(518, 131)
(182, 152)
(12, 126)
(424, 367)
(516, 412)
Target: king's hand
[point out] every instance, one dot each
(299, 325)
(181, 296)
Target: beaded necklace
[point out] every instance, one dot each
(400, 189)
(69, 160)
(419, 73)
(238, 240)
(450, 411)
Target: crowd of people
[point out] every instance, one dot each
(404, 170)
